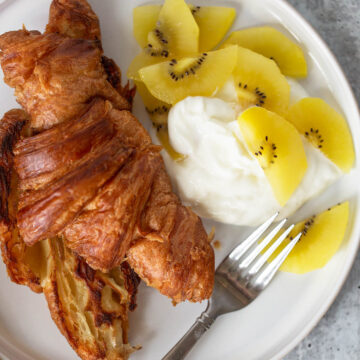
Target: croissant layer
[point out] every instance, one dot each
(86, 170)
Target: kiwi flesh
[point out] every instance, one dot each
(195, 9)
(174, 80)
(214, 22)
(321, 239)
(162, 133)
(266, 152)
(259, 82)
(176, 31)
(144, 21)
(278, 147)
(186, 68)
(255, 97)
(274, 45)
(326, 129)
(140, 61)
(158, 110)
(175, 34)
(158, 115)
(158, 45)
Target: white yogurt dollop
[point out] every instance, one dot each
(220, 178)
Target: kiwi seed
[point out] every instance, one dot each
(159, 110)
(314, 136)
(162, 50)
(272, 58)
(261, 96)
(159, 115)
(188, 71)
(268, 151)
(195, 9)
(308, 225)
(158, 127)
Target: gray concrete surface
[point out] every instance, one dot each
(337, 336)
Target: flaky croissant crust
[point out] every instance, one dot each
(89, 173)
(86, 205)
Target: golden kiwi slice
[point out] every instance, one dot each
(260, 82)
(157, 109)
(273, 44)
(144, 21)
(278, 147)
(322, 236)
(175, 34)
(213, 21)
(326, 129)
(176, 31)
(163, 136)
(174, 80)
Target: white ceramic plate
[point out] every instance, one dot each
(289, 308)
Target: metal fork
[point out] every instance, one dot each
(239, 279)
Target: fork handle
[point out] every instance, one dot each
(187, 342)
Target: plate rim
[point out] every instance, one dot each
(356, 247)
(11, 349)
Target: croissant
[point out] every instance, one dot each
(107, 195)
(89, 307)
(83, 185)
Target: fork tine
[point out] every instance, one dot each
(265, 276)
(251, 257)
(262, 260)
(245, 245)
